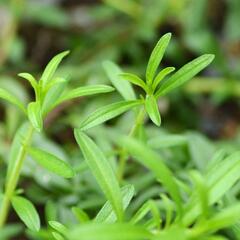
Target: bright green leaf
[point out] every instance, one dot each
(26, 212)
(51, 68)
(108, 112)
(167, 140)
(117, 231)
(152, 109)
(184, 74)
(59, 227)
(156, 57)
(106, 214)
(32, 81)
(35, 115)
(53, 94)
(81, 215)
(134, 79)
(123, 87)
(4, 94)
(84, 91)
(153, 161)
(102, 171)
(51, 162)
(161, 75)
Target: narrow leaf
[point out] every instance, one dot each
(102, 171)
(53, 94)
(35, 115)
(26, 212)
(185, 73)
(123, 87)
(161, 75)
(31, 80)
(134, 80)
(81, 215)
(219, 180)
(117, 231)
(51, 162)
(108, 112)
(59, 227)
(152, 109)
(4, 94)
(167, 140)
(84, 91)
(51, 68)
(153, 161)
(106, 214)
(156, 57)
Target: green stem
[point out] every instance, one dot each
(124, 154)
(14, 177)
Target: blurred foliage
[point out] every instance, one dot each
(32, 31)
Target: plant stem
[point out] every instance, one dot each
(124, 154)
(14, 177)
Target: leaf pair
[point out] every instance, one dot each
(154, 86)
(50, 92)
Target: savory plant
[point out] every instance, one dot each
(49, 92)
(188, 206)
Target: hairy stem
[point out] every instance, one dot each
(14, 177)
(124, 154)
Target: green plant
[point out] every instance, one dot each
(49, 92)
(189, 205)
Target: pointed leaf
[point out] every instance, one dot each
(102, 171)
(59, 227)
(35, 115)
(106, 214)
(123, 87)
(134, 79)
(4, 94)
(161, 75)
(156, 57)
(84, 91)
(185, 73)
(31, 80)
(51, 162)
(51, 68)
(108, 112)
(26, 212)
(53, 94)
(81, 215)
(153, 161)
(219, 180)
(152, 109)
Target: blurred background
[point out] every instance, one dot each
(124, 31)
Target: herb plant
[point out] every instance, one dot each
(189, 206)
